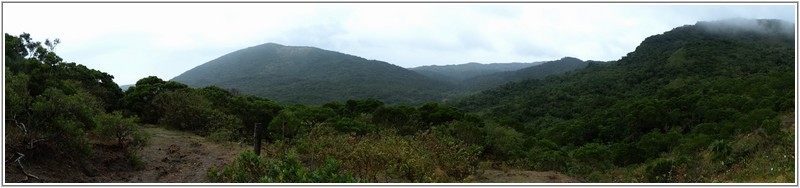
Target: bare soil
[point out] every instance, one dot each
(170, 157)
(178, 157)
(520, 176)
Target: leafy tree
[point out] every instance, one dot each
(433, 114)
(252, 110)
(116, 126)
(348, 125)
(284, 125)
(186, 110)
(504, 141)
(356, 107)
(546, 155)
(138, 98)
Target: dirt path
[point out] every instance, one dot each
(179, 157)
(518, 176)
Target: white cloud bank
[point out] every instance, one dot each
(135, 40)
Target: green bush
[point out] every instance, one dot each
(660, 171)
(504, 141)
(115, 126)
(721, 151)
(250, 168)
(347, 125)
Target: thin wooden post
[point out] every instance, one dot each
(257, 141)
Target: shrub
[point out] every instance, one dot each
(250, 168)
(347, 125)
(115, 126)
(660, 171)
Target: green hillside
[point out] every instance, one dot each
(308, 75)
(685, 106)
(457, 73)
(540, 71)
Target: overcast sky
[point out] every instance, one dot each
(132, 41)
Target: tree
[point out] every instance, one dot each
(138, 98)
(433, 114)
(252, 110)
(504, 141)
(116, 126)
(187, 110)
(284, 125)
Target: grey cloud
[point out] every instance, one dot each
(735, 25)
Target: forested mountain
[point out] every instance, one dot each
(308, 75)
(709, 102)
(542, 70)
(457, 73)
(708, 95)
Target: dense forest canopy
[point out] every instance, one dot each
(699, 103)
(679, 95)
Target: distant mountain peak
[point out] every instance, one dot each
(310, 75)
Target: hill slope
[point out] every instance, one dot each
(686, 106)
(542, 70)
(310, 75)
(458, 73)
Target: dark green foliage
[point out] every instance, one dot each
(51, 104)
(624, 154)
(721, 151)
(138, 99)
(399, 117)
(347, 125)
(660, 171)
(654, 143)
(433, 114)
(546, 155)
(357, 107)
(285, 125)
(186, 110)
(504, 142)
(592, 153)
(469, 132)
(252, 110)
(306, 75)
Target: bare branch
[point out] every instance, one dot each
(21, 126)
(22, 167)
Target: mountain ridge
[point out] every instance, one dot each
(310, 75)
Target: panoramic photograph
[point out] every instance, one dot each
(399, 93)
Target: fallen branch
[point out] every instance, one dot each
(22, 167)
(21, 126)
